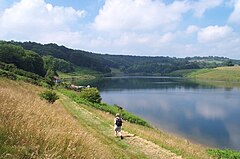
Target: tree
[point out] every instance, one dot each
(91, 94)
(57, 64)
(32, 62)
(23, 59)
(229, 63)
(11, 54)
(49, 78)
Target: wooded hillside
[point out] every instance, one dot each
(64, 59)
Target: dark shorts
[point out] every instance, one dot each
(117, 128)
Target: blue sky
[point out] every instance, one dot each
(175, 28)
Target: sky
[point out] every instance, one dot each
(175, 28)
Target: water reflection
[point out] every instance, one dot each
(205, 114)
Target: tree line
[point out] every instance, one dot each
(39, 58)
(76, 57)
(21, 58)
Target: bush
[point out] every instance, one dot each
(50, 96)
(91, 94)
(8, 75)
(225, 153)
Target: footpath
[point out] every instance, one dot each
(100, 125)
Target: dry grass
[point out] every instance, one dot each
(32, 128)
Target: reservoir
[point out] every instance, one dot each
(201, 113)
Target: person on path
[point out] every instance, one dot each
(118, 125)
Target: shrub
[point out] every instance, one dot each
(91, 94)
(225, 153)
(8, 75)
(12, 72)
(50, 96)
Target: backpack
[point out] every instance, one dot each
(119, 122)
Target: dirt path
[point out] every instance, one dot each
(148, 147)
(104, 129)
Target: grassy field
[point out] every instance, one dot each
(33, 128)
(227, 74)
(81, 76)
(79, 72)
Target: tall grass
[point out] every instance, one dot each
(32, 128)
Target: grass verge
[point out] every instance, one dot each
(75, 96)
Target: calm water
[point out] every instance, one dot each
(203, 114)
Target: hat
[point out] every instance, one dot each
(117, 115)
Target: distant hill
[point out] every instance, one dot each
(212, 59)
(76, 57)
(131, 65)
(216, 59)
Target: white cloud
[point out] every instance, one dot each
(192, 29)
(139, 27)
(228, 47)
(214, 33)
(166, 38)
(235, 15)
(29, 19)
(143, 39)
(129, 42)
(201, 6)
(139, 15)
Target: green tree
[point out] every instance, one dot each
(23, 59)
(91, 94)
(57, 64)
(49, 78)
(11, 54)
(229, 63)
(32, 62)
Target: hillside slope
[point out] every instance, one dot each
(228, 74)
(32, 128)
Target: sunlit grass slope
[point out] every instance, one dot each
(32, 128)
(229, 74)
